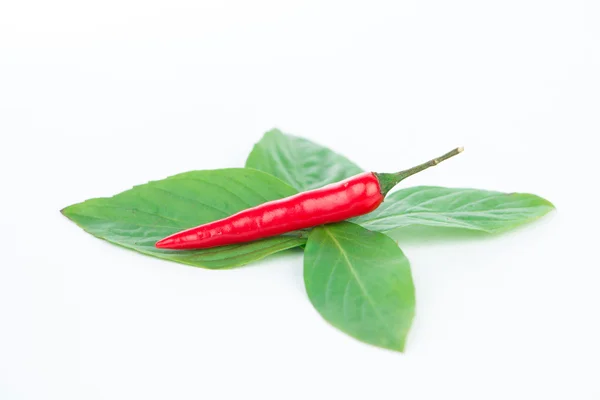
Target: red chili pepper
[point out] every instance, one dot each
(336, 202)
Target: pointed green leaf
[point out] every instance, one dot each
(301, 163)
(360, 282)
(139, 217)
(472, 209)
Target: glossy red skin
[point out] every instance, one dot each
(338, 201)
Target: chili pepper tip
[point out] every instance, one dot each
(164, 243)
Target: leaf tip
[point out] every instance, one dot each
(550, 204)
(546, 203)
(67, 211)
(273, 132)
(399, 347)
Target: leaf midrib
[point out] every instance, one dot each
(354, 274)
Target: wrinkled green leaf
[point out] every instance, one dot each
(360, 282)
(472, 209)
(139, 217)
(301, 163)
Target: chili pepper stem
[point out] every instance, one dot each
(387, 181)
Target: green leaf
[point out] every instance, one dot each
(472, 209)
(139, 217)
(360, 281)
(301, 163)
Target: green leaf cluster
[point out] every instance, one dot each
(356, 276)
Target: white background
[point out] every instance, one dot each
(96, 97)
